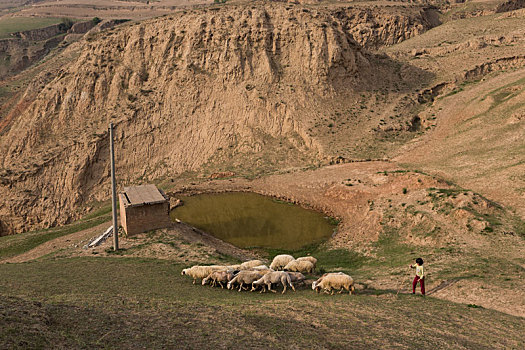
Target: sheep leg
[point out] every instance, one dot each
(222, 287)
(240, 287)
(284, 288)
(270, 288)
(194, 281)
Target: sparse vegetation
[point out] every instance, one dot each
(17, 244)
(74, 307)
(18, 24)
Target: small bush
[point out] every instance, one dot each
(67, 23)
(405, 190)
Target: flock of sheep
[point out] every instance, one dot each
(284, 270)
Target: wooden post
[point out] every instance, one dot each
(113, 188)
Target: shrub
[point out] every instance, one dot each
(66, 23)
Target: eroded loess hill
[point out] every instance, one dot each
(237, 87)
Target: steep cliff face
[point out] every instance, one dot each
(379, 26)
(236, 86)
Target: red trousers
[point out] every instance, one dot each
(421, 283)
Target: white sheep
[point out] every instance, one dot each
(280, 261)
(334, 281)
(245, 277)
(308, 258)
(296, 277)
(250, 264)
(201, 271)
(260, 268)
(300, 266)
(323, 276)
(273, 277)
(218, 277)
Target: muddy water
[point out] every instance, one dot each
(251, 220)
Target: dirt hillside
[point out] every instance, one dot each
(253, 88)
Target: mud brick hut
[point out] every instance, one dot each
(143, 208)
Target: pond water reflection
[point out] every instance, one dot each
(252, 220)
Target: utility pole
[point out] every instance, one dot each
(113, 188)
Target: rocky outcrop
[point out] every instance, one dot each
(82, 27)
(510, 5)
(379, 26)
(238, 85)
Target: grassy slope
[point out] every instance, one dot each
(17, 244)
(19, 24)
(135, 303)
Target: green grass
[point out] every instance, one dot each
(328, 259)
(105, 209)
(136, 303)
(17, 244)
(18, 24)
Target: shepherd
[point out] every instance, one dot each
(420, 276)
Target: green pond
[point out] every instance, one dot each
(252, 220)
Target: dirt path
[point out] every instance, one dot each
(79, 239)
(74, 243)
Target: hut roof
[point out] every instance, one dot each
(141, 195)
